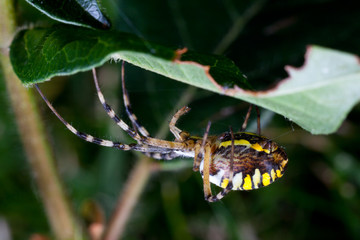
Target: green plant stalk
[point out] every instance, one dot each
(32, 134)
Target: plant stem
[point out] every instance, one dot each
(32, 135)
(238, 25)
(128, 198)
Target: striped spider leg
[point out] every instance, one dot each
(166, 150)
(145, 144)
(232, 161)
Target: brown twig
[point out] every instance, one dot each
(128, 198)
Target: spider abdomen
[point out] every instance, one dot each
(257, 161)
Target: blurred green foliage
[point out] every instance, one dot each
(317, 198)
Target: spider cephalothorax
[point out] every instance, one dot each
(232, 161)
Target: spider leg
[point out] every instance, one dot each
(198, 157)
(142, 140)
(130, 113)
(199, 150)
(84, 136)
(205, 149)
(163, 156)
(258, 120)
(112, 113)
(243, 127)
(229, 186)
(206, 173)
(160, 149)
(175, 130)
(166, 153)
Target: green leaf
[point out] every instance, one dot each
(42, 53)
(317, 96)
(84, 13)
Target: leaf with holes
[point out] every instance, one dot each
(317, 96)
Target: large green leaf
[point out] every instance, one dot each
(42, 53)
(84, 13)
(317, 96)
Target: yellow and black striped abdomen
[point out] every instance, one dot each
(258, 161)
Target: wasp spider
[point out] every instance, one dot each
(232, 161)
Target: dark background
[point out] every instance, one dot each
(318, 197)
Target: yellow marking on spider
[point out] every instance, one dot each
(224, 182)
(283, 163)
(273, 175)
(243, 142)
(278, 173)
(259, 148)
(247, 183)
(266, 179)
(256, 178)
(240, 142)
